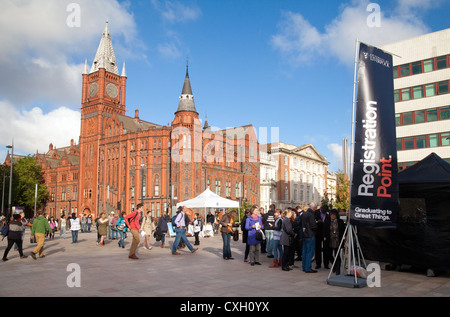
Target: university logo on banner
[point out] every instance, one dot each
(374, 192)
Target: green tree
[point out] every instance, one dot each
(26, 174)
(342, 191)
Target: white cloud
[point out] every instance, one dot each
(34, 130)
(301, 42)
(336, 151)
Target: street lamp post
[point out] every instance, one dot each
(10, 178)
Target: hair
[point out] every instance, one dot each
(252, 209)
(139, 205)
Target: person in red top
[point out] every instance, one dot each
(132, 221)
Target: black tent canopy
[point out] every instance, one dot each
(422, 236)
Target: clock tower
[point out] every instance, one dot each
(103, 94)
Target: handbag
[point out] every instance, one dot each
(235, 235)
(260, 236)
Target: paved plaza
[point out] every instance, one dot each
(108, 272)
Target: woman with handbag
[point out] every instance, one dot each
(226, 230)
(287, 237)
(254, 226)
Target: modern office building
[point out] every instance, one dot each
(422, 99)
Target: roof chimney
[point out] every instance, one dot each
(136, 114)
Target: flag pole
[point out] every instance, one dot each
(349, 231)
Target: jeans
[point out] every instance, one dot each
(269, 241)
(114, 234)
(308, 252)
(62, 232)
(74, 236)
(226, 250)
(277, 249)
(122, 238)
(181, 235)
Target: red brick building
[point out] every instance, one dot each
(121, 161)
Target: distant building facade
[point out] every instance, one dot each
(292, 175)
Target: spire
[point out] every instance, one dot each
(86, 69)
(187, 98)
(206, 125)
(187, 83)
(124, 72)
(105, 57)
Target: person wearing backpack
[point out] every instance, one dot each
(181, 221)
(133, 223)
(14, 236)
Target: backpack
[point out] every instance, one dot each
(4, 231)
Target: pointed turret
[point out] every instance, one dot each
(105, 57)
(124, 72)
(206, 125)
(86, 69)
(187, 98)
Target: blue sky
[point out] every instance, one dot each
(283, 64)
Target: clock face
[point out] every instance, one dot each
(111, 90)
(93, 89)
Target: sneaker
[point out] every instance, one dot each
(33, 255)
(194, 250)
(175, 253)
(24, 257)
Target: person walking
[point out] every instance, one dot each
(103, 224)
(147, 228)
(121, 227)
(287, 238)
(309, 226)
(114, 232)
(24, 222)
(75, 226)
(132, 221)
(198, 226)
(83, 223)
(89, 222)
(54, 226)
(277, 247)
(163, 228)
(226, 230)
(181, 221)
(253, 224)
(62, 224)
(40, 226)
(15, 237)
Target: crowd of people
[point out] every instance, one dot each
(295, 234)
(286, 236)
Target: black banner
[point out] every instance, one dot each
(374, 191)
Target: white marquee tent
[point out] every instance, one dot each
(208, 199)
